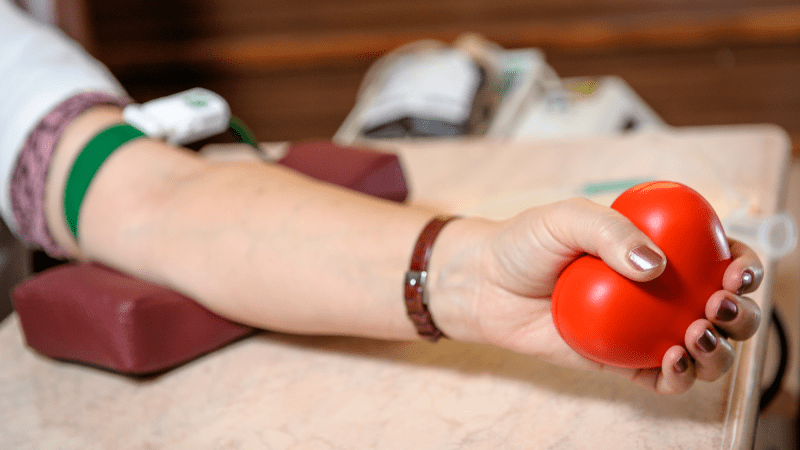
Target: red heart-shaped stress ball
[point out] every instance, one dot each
(613, 320)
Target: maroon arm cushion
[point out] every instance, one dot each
(360, 169)
(91, 314)
(95, 315)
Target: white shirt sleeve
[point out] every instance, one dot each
(40, 67)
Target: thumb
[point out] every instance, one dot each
(606, 233)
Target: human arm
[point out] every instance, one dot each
(271, 248)
(237, 236)
(268, 247)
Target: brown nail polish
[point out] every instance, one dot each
(644, 258)
(681, 364)
(707, 342)
(727, 310)
(747, 280)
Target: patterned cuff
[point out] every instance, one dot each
(33, 163)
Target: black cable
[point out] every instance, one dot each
(772, 390)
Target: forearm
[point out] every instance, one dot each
(255, 243)
(262, 245)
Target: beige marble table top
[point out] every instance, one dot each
(278, 391)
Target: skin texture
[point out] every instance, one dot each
(265, 246)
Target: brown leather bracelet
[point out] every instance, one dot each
(416, 304)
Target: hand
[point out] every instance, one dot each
(496, 287)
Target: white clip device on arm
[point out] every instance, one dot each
(181, 118)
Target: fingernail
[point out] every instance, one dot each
(727, 310)
(707, 341)
(681, 364)
(644, 258)
(747, 281)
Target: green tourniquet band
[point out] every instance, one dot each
(87, 164)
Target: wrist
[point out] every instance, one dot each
(454, 278)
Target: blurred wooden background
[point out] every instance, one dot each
(291, 68)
